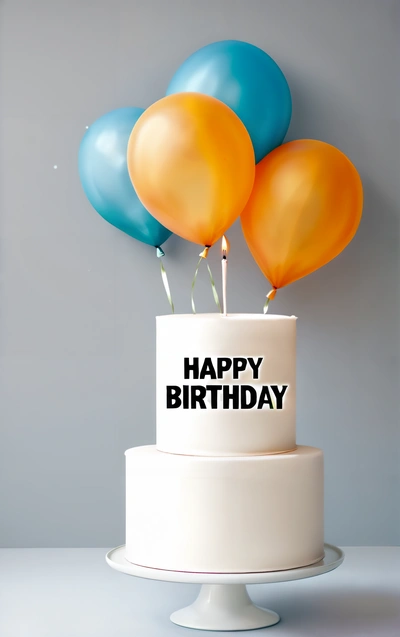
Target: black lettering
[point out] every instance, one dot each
(265, 398)
(279, 395)
(173, 400)
(223, 365)
(255, 366)
(187, 367)
(230, 396)
(197, 395)
(239, 365)
(185, 396)
(214, 389)
(248, 397)
(208, 369)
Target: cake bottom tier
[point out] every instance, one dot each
(224, 514)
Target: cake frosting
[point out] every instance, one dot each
(233, 356)
(224, 514)
(225, 489)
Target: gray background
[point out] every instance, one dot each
(78, 297)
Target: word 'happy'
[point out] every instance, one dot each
(224, 396)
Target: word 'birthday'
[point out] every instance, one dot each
(228, 395)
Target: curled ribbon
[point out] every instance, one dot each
(204, 255)
(160, 253)
(214, 289)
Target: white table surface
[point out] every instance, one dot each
(73, 593)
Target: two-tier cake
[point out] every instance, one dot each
(225, 489)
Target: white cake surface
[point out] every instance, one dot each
(248, 340)
(224, 514)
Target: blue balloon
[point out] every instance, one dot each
(246, 79)
(104, 176)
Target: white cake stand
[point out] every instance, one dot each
(223, 602)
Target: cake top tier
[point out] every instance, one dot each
(226, 385)
(229, 317)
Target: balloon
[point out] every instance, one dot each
(105, 180)
(191, 162)
(304, 209)
(246, 79)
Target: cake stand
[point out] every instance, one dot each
(223, 602)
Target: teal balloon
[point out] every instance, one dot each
(104, 176)
(247, 80)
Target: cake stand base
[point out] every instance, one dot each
(224, 607)
(223, 602)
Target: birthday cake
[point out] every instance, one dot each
(226, 489)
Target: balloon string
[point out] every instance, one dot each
(193, 284)
(203, 255)
(160, 254)
(166, 287)
(214, 289)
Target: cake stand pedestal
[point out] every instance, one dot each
(224, 607)
(223, 602)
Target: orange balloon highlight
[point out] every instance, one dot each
(191, 162)
(305, 208)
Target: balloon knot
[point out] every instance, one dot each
(204, 253)
(272, 293)
(160, 252)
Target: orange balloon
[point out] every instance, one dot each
(305, 208)
(191, 162)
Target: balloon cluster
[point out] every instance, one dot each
(209, 152)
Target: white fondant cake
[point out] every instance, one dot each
(225, 489)
(241, 514)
